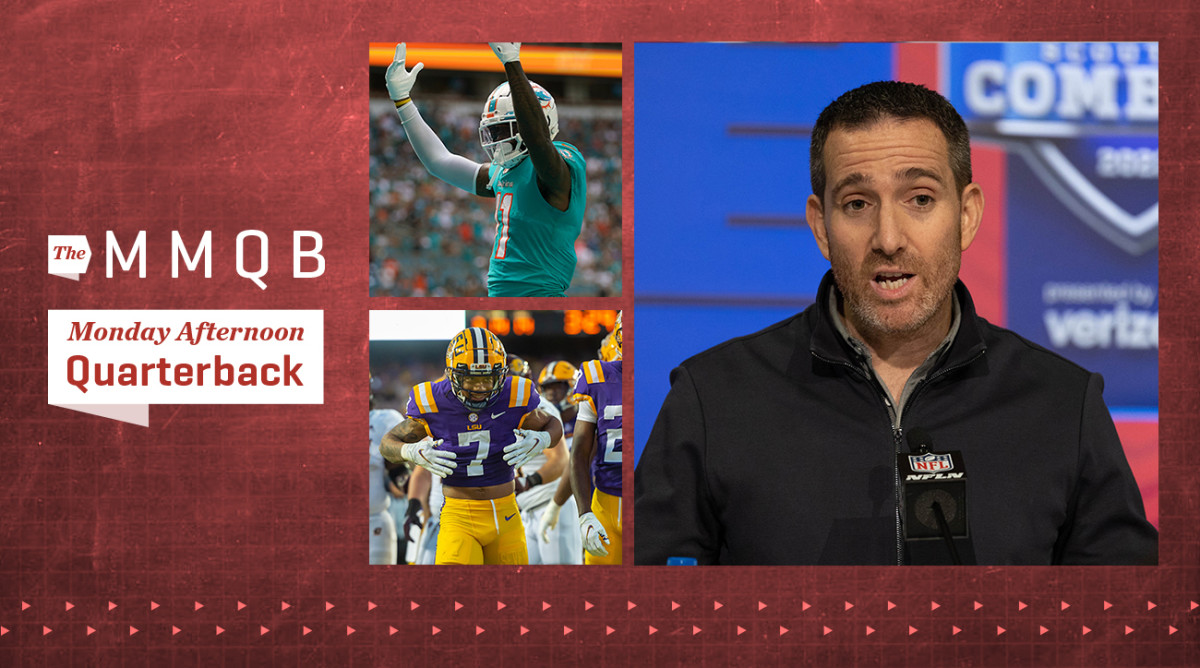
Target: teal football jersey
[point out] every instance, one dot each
(534, 252)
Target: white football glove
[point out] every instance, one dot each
(424, 453)
(528, 445)
(549, 520)
(400, 81)
(594, 535)
(507, 52)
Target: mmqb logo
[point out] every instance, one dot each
(1085, 118)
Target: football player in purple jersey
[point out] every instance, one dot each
(596, 457)
(474, 428)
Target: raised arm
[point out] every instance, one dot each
(553, 175)
(438, 160)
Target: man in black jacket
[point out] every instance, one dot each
(781, 447)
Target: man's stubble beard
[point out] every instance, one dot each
(869, 316)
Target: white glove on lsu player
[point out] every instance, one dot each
(528, 445)
(400, 81)
(594, 535)
(424, 453)
(507, 52)
(549, 520)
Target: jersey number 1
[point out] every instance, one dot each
(503, 210)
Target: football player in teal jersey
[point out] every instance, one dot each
(540, 185)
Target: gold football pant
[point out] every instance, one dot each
(607, 509)
(481, 532)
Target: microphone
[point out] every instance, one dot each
(934, 493)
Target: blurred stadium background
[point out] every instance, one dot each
(1064, 145)
(409, 347)
(429, 238)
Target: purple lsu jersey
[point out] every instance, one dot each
(600, 385)
(477, 438)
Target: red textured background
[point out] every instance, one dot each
(251, 519)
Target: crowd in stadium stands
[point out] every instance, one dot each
(430, 239)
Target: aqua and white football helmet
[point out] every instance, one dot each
(498, 126)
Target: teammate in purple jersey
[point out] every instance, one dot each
(596, 457)
(473, 428)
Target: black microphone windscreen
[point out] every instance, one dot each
(918, 438)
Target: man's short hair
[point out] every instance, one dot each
(881, 100)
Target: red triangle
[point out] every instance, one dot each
(608, 630)
(132, 630)
(284, 605)
(804, 606)
(329, 606)
(891, 605)
(392, 630)
(653, 630)
(1128, 630)
(999, 630)
(1086, 630)
(870, 630)
(978, 605)
(567, 630)
(478, 630)
(1193, 606)
(413, 605)
(499, 605)
(436, 631)
(241, 606)
(68, 605)
(587, 605)
(545, 606)
(954, 630)
(25, 606)
(1171, 630)
(1021, 605)
(198, 606)
(1065, 605)
(175, 630)
(371, 606)
(457, 606)
(934, 605)
(46, 630)
(1150, 605)
(153, 605)
(740, 630)
(629, 605)
(674, 605)
(220, 630)
(761, 605)
(827, 630)
(695, 629)
(783, 630)
(3, 631)
(717, 605)
(1042, 630)
(524, 630)
(849, 605)
(305, 630)
(911, 630)
(349, 629)
(90, 630)
(262, 630)
(1107, 605)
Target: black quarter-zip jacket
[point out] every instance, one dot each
(778, 448)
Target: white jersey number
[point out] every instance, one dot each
(484, 439)
(612, 455)
(503, 210)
